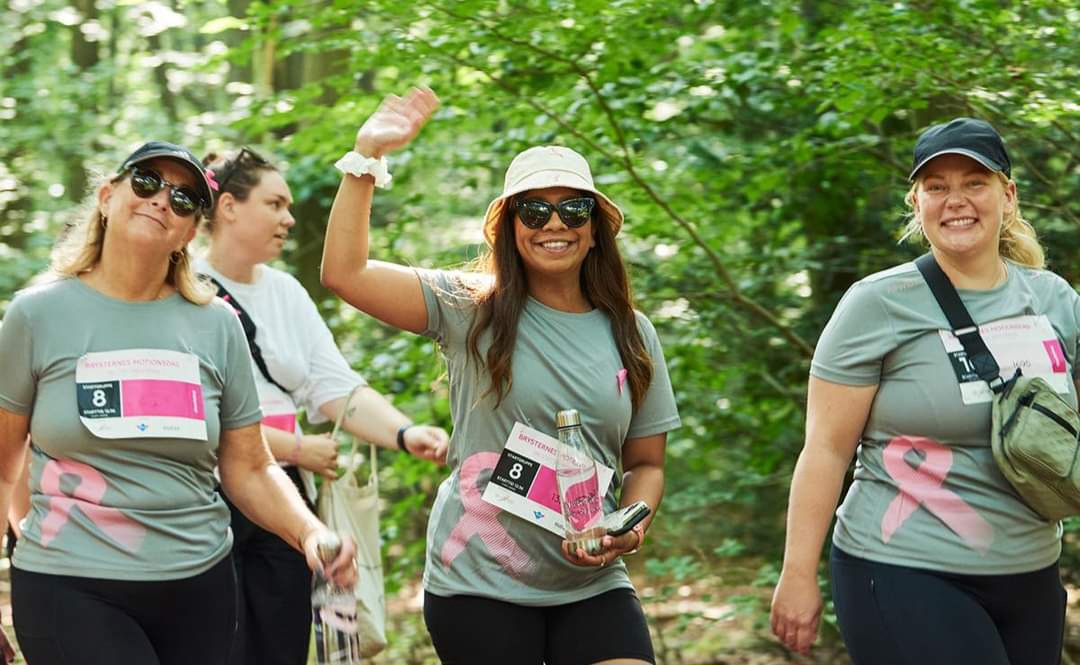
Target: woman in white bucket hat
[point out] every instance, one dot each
(545, 323)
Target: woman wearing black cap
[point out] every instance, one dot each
(134, 385)
(934, 558)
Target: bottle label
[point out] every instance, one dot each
(524, 482)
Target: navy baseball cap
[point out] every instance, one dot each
(154, 149)
(963, 136)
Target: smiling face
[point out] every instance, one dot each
(961, 204)
(148, 223)
(553, 250)
(261, 222)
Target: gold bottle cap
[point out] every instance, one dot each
(568, 418)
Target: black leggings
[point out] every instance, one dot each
(896, 615)
(476, 631)
(274, 584)
(66, 620)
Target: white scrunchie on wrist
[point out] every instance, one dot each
(356, 164)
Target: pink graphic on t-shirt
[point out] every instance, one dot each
(158, 397)
(1057, 356)
(922, 485)
(282, 421)
(87, 497)
(620, 379)
(481, 519)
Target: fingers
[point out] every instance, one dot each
(795, 633)
(342, 570)
(581, 558)
(427, 442)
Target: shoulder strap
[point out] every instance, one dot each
(249, 331)
(963, 327)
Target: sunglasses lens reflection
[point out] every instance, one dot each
(575, 212)
(146, 183)
(535, 213)
(183, 203)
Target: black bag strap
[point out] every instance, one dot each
(963, 326)
(249, 331)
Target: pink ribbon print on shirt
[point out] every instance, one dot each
(87, 497)
(481, 519)
(923, 485)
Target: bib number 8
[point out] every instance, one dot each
(515, 471)
(99, 399)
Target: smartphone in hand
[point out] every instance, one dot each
(624, 519)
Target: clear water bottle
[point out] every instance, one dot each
(579, 486)
(333, 614)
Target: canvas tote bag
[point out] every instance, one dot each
(351, 509)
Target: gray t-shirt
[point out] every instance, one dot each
(927, 493)
(560, 361)
(139, 506)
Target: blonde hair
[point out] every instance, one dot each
(79, 249)
(1017, 240)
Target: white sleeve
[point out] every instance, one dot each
(329, 374)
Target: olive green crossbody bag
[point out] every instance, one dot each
(1034, 433)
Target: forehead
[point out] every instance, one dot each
(952, 164)
(272, 184)
(171, 170)
(552, 194)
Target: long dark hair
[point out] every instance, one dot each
(603, 281)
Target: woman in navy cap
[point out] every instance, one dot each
(134, 383)
(935, 559)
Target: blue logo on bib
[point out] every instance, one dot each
(142, 427)
(538, 515)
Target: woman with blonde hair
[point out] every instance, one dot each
(935, 558)
(134, 384)
(546, 324)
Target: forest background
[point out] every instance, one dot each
(759, 149)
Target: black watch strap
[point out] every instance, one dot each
(401, 438)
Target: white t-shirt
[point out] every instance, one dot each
(299, 350)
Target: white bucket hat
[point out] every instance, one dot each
(548, 166)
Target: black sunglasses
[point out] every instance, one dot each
(147, 182)
(534, 213)
(246, 157)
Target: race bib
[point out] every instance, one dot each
(140, 393)
(523, 482)
(1027, 343)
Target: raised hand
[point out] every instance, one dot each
(396, 122)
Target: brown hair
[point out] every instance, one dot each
(1017, 240)
(603, 281)
(79, 249)
(237, 174)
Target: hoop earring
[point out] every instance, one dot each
(177, 257)
(103, 220)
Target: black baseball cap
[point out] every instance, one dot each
(153, 149)
(963, 136)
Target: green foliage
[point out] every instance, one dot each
(759, 151)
